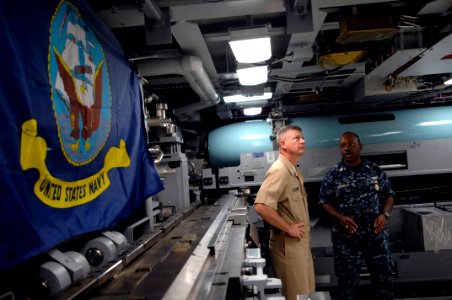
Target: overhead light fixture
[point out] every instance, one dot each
(250, 45)
(252, 111)
(252, 75)
(250, 97)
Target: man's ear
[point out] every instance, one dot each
(282, 144)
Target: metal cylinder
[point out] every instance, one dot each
(99, 251)
(55, 277)
(227, 142)
(160, 110)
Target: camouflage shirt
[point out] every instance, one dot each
(358, 192)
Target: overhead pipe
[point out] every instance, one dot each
(192, 69)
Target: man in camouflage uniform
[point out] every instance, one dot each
(358, 195)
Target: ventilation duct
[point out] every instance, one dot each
(192, 69)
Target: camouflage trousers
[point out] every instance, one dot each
(349, 252)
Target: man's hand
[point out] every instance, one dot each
(348, 224)
(296, 230)
(272, 217)
(379, 223)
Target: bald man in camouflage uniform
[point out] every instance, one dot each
(358, 195)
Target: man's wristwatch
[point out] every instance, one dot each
(386, 214)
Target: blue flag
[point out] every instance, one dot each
(73, 154)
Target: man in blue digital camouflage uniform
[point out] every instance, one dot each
(358, 195)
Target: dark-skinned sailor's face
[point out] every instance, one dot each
(350, 149)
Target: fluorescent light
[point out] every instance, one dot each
(252, 50)
(252, 111)
(448, 82)
(253, 75)
(245, 98)
(251, 45)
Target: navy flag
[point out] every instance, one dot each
(73, 154)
